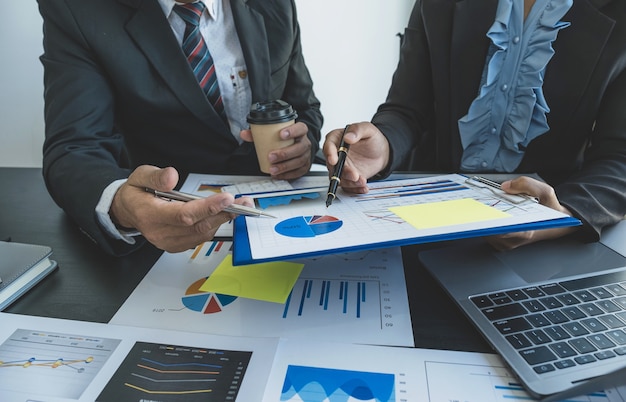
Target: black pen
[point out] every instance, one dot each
(342, 153)
(233, 208)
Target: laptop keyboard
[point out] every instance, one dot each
(564, 324)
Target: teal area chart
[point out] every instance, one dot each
(308, 226)
(315, 384)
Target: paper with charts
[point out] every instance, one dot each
(394, 212)
(206, 185)
(52, 360)
(347, 297)
(320, 372)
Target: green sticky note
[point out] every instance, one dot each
(271, 281)
(447, 213)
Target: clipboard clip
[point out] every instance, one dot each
(496, 189)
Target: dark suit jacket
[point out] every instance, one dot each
(119, 93)
(583, 155)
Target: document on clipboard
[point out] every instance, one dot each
(205, 185)
(392, 213)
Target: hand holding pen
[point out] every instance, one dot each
(335, 179)
(237, 209)
(169, 226)
(369, 155)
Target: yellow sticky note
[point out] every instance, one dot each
(447, 213)
(271, 281)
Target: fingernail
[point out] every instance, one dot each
(285, 134)
(272, 157)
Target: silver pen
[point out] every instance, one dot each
(505, 195)
(185, 197)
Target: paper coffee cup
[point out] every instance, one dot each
(266, 119)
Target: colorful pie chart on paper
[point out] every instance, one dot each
(205, 302)
(308, 226)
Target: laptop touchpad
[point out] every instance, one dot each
(557, 259)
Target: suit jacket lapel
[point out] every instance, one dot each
(150, 30)
(253, 37)
(469, 46)
(472, 20)
(576, 54)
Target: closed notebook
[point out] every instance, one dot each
(21, 267)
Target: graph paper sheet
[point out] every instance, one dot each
(392, 213)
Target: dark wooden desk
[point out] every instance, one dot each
(91, 285)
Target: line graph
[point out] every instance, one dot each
(52, 364)
(177, 373)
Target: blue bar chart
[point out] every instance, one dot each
(352, 297)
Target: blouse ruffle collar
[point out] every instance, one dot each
(511, 97)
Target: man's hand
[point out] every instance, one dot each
(546, 196)
(170, 225)
(368, 155)
(289, 162)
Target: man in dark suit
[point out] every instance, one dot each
(124, 111)
(573, 107)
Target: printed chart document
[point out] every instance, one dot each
(317, 372)
(45, 359)
(392, 213)
(52, 360)
(205, 185)
(347, 297)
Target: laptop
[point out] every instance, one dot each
(555, 310)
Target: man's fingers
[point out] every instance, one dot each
(192, 212)
(147, 176)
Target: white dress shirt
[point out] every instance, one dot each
(218, 30)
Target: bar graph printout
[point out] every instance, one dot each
(357, 297)
(392, 213)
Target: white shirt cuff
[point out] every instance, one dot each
(102, 211)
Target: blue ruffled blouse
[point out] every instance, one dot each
(510, 110)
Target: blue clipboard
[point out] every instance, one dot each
(243, 254)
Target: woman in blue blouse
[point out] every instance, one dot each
(510, 86)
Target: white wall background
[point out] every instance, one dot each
(350, 47)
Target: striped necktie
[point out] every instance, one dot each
(198, 54)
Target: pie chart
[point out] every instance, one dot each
(308, 226)
(205, 302)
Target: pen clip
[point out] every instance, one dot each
(496, 189)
